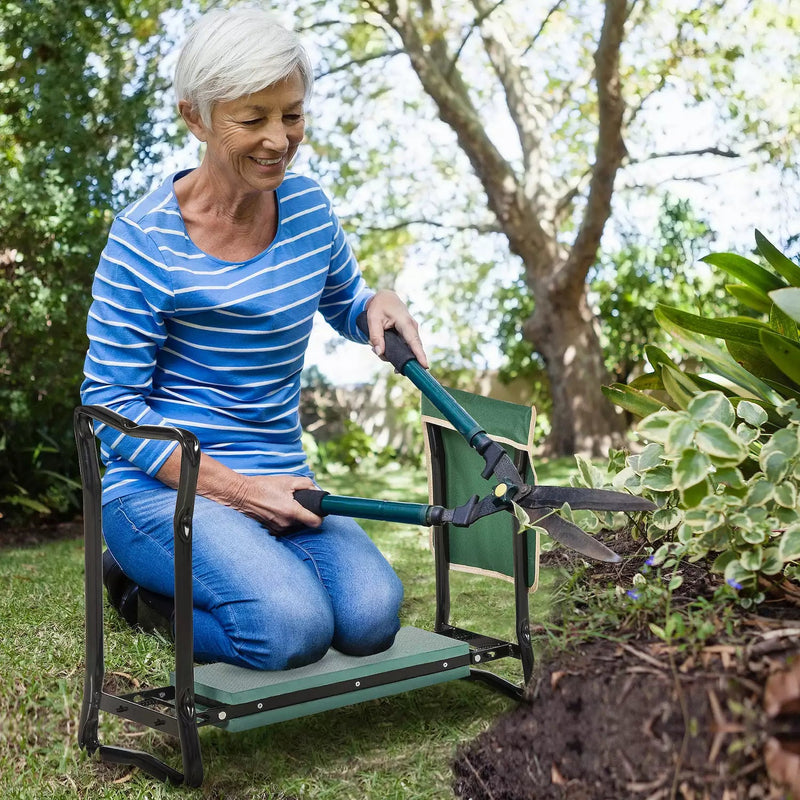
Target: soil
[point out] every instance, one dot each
(635, 718)
(630, 718)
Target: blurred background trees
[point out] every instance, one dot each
(536, 177)
(80, 98)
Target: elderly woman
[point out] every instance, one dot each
(203, 306)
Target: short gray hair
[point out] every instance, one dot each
(234, 52)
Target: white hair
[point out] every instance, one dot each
(234, 52)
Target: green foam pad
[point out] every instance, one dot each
(414, 649)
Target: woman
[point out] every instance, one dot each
(203, 306)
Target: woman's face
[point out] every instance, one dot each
(253, 139)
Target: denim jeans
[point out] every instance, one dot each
(260, 601)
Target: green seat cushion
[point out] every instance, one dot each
(417, 658)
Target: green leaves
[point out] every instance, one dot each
(748, 272)
(780, 263)
(81, 97)
(789, 547)
(784, 353)
(788, 300)
(691, 467)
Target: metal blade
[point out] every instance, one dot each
(571, 535)
(593, 499)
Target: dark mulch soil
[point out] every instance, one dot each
(33, 535)
(640, 719)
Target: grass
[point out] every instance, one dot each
(396, 747)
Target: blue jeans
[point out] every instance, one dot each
(260, 601)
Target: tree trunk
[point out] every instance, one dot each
(564, 332)
(562, 328)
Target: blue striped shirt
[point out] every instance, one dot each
(178, 337)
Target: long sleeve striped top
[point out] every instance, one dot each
(178, 337)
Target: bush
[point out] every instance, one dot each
(723, 453)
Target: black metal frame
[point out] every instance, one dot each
(482, 648)
(182, 721)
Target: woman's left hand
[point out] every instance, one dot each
(386, 310)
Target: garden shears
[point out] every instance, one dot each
(539, 502)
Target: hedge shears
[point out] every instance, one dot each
(510, 491)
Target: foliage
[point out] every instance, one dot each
(727, 490)
(626, 286)
(340, 425)
(79, 91)
(650, 270)
(723, 459)
(761, 356)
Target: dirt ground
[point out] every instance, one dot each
(639, 719)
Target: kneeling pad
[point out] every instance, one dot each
(253, 698)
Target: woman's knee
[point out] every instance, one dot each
(369, 623)
(282, 635)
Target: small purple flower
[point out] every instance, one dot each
(651, 562)
(734, 584)
(634, 595)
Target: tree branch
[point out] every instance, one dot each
(476, 23)
(538, 34)
(330, 23)
(609, 151)
(425, 45)
(358, 61)
(486, 228)
(702, 151)
(515, 79)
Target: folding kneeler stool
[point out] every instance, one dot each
(237, 699)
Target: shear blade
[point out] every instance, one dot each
(570, 535)
(591, 499)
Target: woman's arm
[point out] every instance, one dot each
(267, 498)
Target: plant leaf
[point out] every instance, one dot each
(691, 468)
(680, 434)
(746, 271)
(655, 426)
(751, 413)
(755, 360)
(692, 496)
(752, 298)
(649, 380)
(719, 360)
(784, 353)
(719, 441)
(638, 403)
(781, 322)
(712, 406)
(789, 546)
(773, 563)
(729, 329)
(786, 494)
(680, 387)
(782, 264)
(785, 391)
(788, 300)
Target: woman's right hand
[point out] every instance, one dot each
(267, 498)
(270, 499)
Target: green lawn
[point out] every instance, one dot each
(398, 747)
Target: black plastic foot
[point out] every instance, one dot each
(144, 761)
